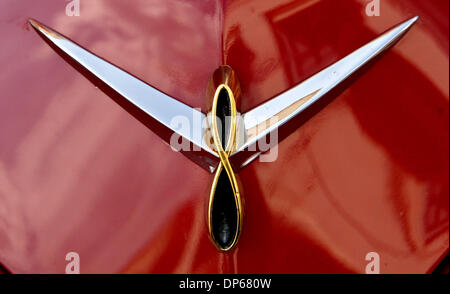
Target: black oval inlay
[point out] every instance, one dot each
(224, 212)
(223, 112)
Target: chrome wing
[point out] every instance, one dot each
(153, 102)
(273, 114)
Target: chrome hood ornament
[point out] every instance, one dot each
(223, 154)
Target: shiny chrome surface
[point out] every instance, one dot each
(257, 122)
(152, 101)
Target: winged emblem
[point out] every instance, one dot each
(220, 148)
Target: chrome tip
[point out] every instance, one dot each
(411, 21)
(34, 23)
(44, 29)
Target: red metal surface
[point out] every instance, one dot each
(367, 173)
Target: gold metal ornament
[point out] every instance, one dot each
(225, 211)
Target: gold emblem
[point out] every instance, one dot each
(225, 211)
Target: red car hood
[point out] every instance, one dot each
(368, 173)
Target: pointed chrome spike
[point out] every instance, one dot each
(156, 104)
(273, 114)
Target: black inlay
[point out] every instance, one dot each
(224, 212)
(223, 111)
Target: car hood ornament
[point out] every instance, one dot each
(220, 148)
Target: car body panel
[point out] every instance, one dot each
(368, 172)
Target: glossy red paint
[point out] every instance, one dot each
(369, 172)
